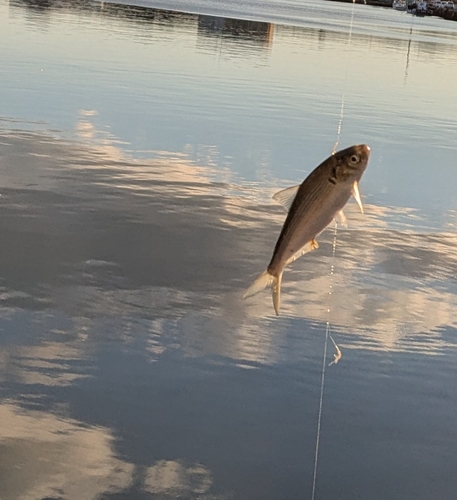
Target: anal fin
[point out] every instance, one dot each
(311, 245)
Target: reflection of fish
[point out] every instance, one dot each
(312, 206)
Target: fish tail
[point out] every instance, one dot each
(263, 281)
(276, 292)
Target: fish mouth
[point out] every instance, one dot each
(364, 148)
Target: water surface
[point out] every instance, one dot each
(139, 149)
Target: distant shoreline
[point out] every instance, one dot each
(377, 3)
(448, 14)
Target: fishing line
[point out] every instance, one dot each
(328, 334)
(338, 354)
(340, 123)
(324, 364)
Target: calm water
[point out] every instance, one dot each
(139, 149)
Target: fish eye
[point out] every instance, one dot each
(354, 159)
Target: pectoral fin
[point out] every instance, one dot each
(356, 195)
(311, 245)
(342, 218)
(286, 196)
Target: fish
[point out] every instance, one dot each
(312, 206)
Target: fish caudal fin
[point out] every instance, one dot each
(276, 293)
(263, 281)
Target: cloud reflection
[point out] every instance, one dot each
(45, 455)
(105, 251)
(173, 479)
(160, 249)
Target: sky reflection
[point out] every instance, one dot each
(115, 227)
(45, 454)
(139, 150)
(246, 88)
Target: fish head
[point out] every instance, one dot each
(350, 163)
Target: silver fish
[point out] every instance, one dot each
(311, 207)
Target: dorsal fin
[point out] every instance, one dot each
(286, 196)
